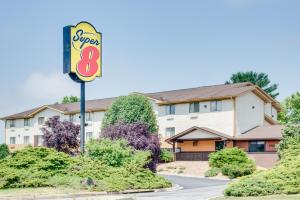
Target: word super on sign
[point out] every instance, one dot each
(82, 52)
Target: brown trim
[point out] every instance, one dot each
(270, 120)
(221, 135)
(251, 139)
(234, 117)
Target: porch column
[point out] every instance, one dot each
(174, 153)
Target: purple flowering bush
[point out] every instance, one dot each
(138, 136)
(61, 135)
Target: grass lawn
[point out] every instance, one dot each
(272, 197)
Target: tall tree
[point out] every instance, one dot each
(291, 110)
(260, 79)
(70, 99)
(130, 109)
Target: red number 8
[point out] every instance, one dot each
(88, 65)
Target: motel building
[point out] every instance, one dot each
(192, 122)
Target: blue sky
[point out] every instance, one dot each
(148, 46)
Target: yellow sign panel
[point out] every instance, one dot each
(82, 51)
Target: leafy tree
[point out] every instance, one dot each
(70, 99)
(260, 79)
(61, 135)
(290, 137)
(291, 110)
(130, 109)
(138, 136)
(4, 151)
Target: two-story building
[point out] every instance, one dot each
(193, 122)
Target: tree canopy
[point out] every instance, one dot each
(291, 110)
(130, 109)
(260, 79)
(70, 99)
(61, 135)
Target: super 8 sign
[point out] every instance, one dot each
(82, 52)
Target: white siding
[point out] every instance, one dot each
(220, 121)
(249, 112)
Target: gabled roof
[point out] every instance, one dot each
(203, 93)
(205, 129)
(69, 108)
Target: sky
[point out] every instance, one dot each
(148, 46)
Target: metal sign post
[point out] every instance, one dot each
(82, 116)
(82, 61)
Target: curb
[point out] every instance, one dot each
(91, 194)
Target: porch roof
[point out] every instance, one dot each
(198, 133)
(273, 132)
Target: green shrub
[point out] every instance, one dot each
(4, 151)
(238, 170)
(31, 167)
(233, 162)
(42, 167)
(227, 156)
(166, 156)
(114, 153)
(212, 172)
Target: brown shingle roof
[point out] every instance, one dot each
(174, 96)
(91, 105)
(202, 93)
(262, 133)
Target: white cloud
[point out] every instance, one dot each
(48, 88)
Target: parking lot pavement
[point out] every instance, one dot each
(192, 188)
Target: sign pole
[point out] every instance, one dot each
(82, 116)
(82, 46)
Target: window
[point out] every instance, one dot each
(195, 143)
(170, 131)
(194, 107)
(11, 123)
(26, 139)
(12, 140)
(41, 120)
(26, 122)
(256, 146)
(40, 140)
(88, 136)
(170, 109)
(88, 116)
(215, 106)
(72, 118)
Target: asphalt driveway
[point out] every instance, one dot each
(192, 189)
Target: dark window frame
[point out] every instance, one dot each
(194, 107)
(217, 106)
(170, 109)
(254, 146)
